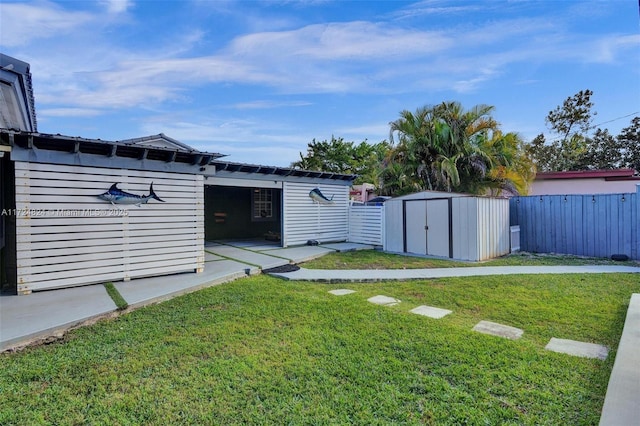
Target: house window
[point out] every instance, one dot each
(262, 204)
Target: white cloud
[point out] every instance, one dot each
(353, 41)
(117, 6)
(69, 112)
(23, 23)
(244, 140)
(263, 104)
(81, 72)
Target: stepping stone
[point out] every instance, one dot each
(572, 347)
(383, 300)
(495, 329)
(430, 311)
(341, 292)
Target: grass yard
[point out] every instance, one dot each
(374, 259)
(267, 351)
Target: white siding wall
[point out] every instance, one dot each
(394, 236)
(366, 224)
(304, 219)
(66, 236)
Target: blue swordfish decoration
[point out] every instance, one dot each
(117, 196)
(319, 197)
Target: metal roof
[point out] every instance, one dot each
(131, 149)
(73, 145)
(613, 174)
(160, 140)
(279, 171)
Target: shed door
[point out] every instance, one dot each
(416, 227)
(438, 228)
(427, 227)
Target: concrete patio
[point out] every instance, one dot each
(47, 315)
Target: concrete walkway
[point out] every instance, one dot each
(360, 275)
(47, 315)
(622, 401)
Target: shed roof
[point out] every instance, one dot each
(429, 195)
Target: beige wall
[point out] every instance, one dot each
(582, 186)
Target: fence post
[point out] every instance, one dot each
(634, 222)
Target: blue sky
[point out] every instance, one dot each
(259, 80)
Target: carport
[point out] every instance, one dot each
(256, 202)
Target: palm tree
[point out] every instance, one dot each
(447, 148)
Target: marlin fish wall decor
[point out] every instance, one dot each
(319, 197)
(117, 196)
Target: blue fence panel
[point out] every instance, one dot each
(584, 225)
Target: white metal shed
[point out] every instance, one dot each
(451, 225)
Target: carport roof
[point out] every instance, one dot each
(60, 147)
(279, 171)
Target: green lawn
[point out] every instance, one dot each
(267, 351)
(373, 259)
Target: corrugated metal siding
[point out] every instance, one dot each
(480, 225)
(366, 224)
(67, 236)
(583, 225)
(393, 230)
(304, 219)
(465, 228)
(493, 227)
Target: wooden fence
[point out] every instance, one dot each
(66, 236)
(598, 225)
(305, 220)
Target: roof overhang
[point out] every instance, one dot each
(17, 105)
(58, 149)
(617, 174)
(260, 172)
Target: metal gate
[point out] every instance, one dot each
(427, 227)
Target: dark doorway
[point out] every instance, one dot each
(8, 278)
(242, 213)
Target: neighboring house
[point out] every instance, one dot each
(362, 193)
(585, 182)
(57, 232)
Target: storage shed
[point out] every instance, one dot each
(450, 225)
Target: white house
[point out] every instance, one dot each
(78, 211)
